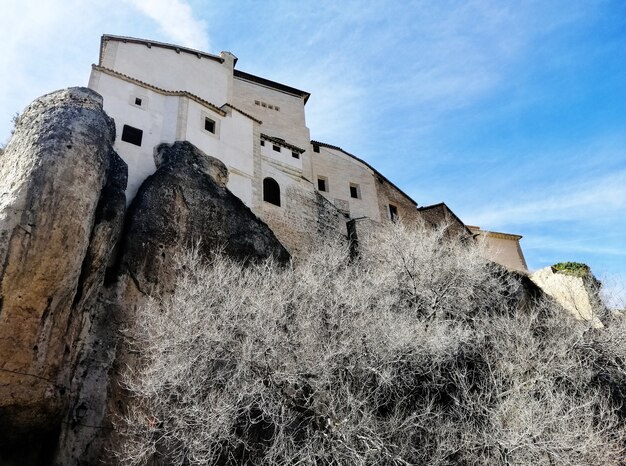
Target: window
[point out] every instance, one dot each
(271, 191)
(393, 213)
(355, 191)
(138, 101)
(277, 108)
(132, 135)
(262, 142)
(276, 148)
(209, 125)
(295, 155)
(322, 184)
(256, 102)
(263, 104)
(316, 148)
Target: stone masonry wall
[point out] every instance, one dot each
(388, 194)
(304, 218)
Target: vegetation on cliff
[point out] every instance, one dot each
(415, 352)
(576, 269)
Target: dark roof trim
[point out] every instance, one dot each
(273, 84)
(495, 234)
(330, 146)
(445, 206)
(150, 43)
(138, 82)
(281, 142)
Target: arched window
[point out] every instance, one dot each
(271, 191)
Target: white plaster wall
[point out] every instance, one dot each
(118, 96)
(341, 170)
(170, 118)
(282, 177)
(169, 70)
(288, 123)
(283, 157)
(232, 143)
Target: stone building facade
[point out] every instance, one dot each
(302, 189)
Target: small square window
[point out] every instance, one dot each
(271, 107)
(263, 104)
(209, 125)
(132, 135)
(276, 148)
(322, 184)
(277, 108)
(262, 142)
(354, 191)
(138, 101)
(295, 155)
(316, 148)
(257, 102)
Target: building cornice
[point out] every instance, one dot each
(376, 172)
(153, 43)
(144, 84)
(494, 234)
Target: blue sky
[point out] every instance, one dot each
(513, 113)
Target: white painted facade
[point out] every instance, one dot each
(255, 126)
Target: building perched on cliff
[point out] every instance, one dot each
(300, 187)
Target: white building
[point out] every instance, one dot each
(163, 93)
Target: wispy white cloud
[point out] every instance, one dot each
(177, 21)
(604, 196)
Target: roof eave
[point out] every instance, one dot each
(150, 43)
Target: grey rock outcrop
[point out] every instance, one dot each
(185, 203)
(578, 295)
(75, 268)
(60, 191)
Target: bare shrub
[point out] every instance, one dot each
(412, 353)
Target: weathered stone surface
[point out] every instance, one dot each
(574, 294)
(98, 328)
(184, 203)
(52, 174)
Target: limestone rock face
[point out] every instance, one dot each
(56, 228)
(186, 202)
(574, 293)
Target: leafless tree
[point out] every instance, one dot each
(414, 352)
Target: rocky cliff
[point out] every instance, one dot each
(74, 267)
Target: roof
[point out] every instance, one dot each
(445, 206)
(379, 174)
(495, 234)
(238, 74)
(151, 43)
(272, 84)
(281, 142)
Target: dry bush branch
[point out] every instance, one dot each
(412, 353)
